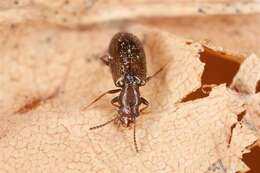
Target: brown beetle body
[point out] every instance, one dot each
(127, 57)
(128, 66)
(127, 63)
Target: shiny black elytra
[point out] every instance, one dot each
(126, 59)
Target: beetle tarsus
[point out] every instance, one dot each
(135, 143)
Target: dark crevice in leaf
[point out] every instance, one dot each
(32, 104)
(231, 133)
(252, 159)
(257, 89)
(218, 70)
(239, 118)
(194, 95)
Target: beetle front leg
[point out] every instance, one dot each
(145, 102)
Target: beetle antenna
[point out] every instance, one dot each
(102, 125)
(136, 148)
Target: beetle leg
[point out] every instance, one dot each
(108, 92)
(145, 102)
(105, 59)
(114, 101)
(157, 72)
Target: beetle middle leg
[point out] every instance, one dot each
(145, 102)
(114, 101)
(108, 92)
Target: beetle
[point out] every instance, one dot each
(127, 61)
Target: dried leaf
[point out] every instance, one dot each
(55, 136)
(245, 82)
(49, 70)
(249, 74)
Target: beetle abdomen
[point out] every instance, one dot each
(127, 58)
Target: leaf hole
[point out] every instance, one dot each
(257, 89)
(218, 70)
(252, 159)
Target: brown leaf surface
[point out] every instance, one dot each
(55, 136)
(245, 82)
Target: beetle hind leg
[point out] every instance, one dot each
(105, 59)
(145, 102)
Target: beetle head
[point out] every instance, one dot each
(127, 116)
